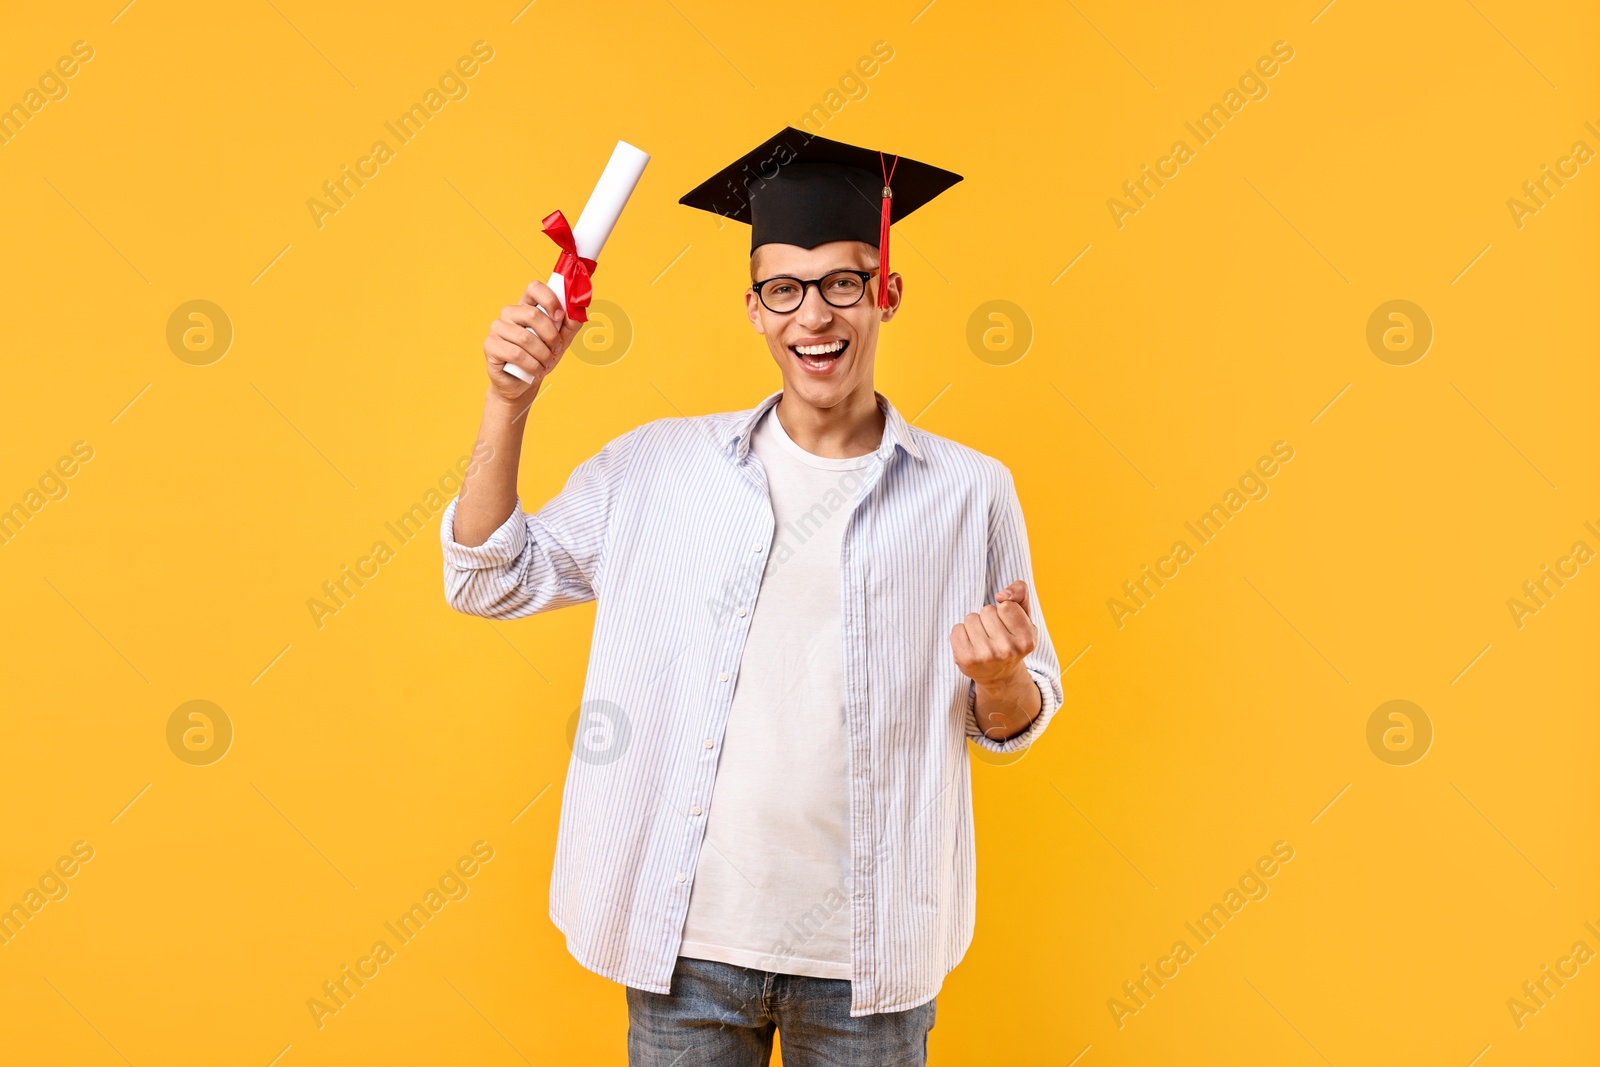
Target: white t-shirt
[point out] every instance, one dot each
(772, 884)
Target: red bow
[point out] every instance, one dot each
(573, 268)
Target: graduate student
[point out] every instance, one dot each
(805, 609)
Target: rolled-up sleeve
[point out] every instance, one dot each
(547, 560)
(1009, 560)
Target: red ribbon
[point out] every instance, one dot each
(883, 230)
(573, 268)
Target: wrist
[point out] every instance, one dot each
(1007, 706)
(508, 412)
(1018, 681)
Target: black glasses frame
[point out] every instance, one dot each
(760, 286)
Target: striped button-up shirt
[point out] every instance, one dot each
(669, 527)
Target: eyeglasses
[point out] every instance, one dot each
(841, 289)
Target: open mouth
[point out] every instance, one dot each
(820, 358)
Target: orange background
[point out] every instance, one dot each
(1162, 358)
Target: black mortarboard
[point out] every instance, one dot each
(801, 189)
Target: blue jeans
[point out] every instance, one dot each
(720, 1015)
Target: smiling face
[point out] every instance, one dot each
(825, 353)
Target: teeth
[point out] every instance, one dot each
(819, 350)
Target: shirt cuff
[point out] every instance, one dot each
(504, 546)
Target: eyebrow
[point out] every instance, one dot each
(830, 270)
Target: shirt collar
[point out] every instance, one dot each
(896, 431)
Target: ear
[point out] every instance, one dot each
(752, 309)
(896, 286)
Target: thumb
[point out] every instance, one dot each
(1016, 593)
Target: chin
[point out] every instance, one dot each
(817, 394)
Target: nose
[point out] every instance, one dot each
(814, 313)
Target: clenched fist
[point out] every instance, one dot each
(990, 645)
(530, 338)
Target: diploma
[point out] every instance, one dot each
(598, 219)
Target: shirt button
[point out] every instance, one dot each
(755, 548)
(723, 677)
(695, 810)
(740, 613)
(682, 877)
(708, 742)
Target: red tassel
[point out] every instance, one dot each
(883, 230)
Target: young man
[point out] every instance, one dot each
(805, 609)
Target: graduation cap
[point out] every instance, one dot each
(800, 189)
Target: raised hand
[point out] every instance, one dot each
(530, 338)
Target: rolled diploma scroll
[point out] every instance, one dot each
(600, 214)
